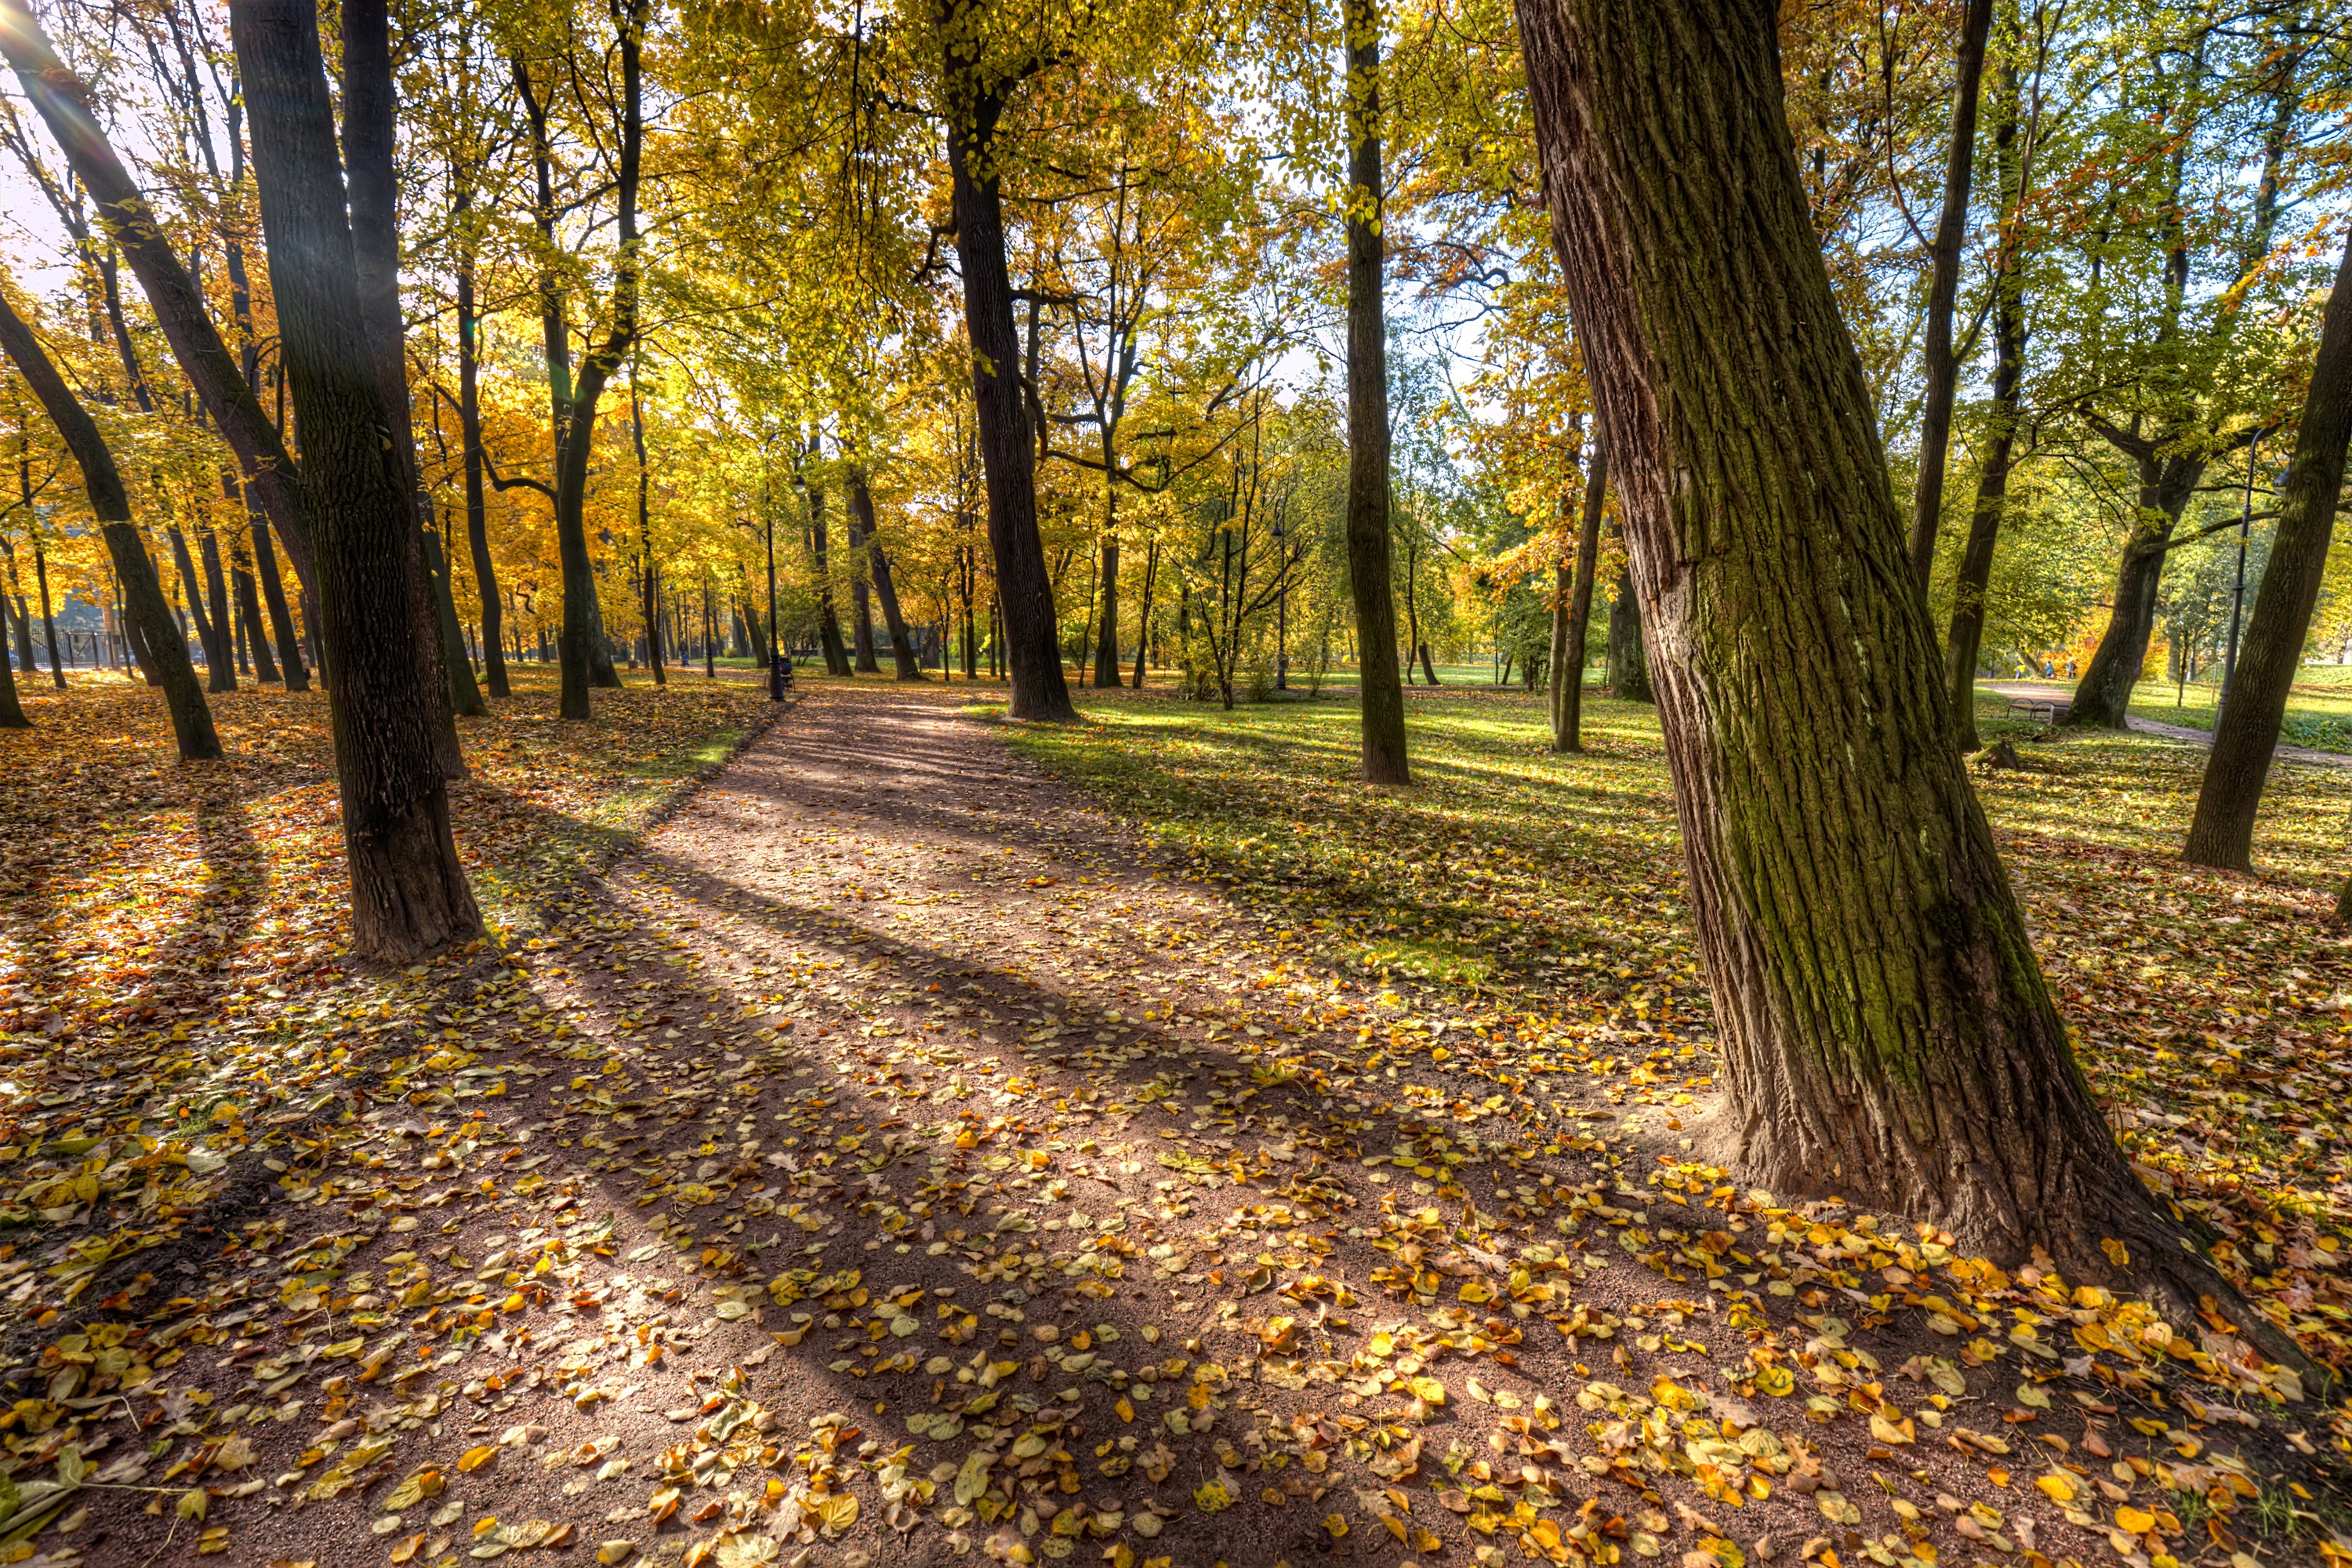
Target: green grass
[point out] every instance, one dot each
(2320, 719)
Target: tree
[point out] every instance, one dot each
(2222, 832)
(1885, 1030)
(1568, 652)
(1951, 227)
(976, 84)
(1384, 758)
(409, 894)
(166, 650)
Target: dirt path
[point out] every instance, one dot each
(2040, 691)
(888, 1161)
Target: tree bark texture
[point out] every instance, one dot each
(248, 614)
(409, 895)
(2222, 832)
(373, 188)
(861, 597)
(63, 104)
(877, 566)
(1568, 700)
(216, 591)
(1143, 620)
(1008, 454)
(2166, 483)
(220, 660)
(273, 595)
(1369, 573)
(1885, 1031)
(1107, 632)
(1944, 287)
(161, 650)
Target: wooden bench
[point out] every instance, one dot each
(2054, 710)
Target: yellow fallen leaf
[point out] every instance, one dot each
(2137, 1521)
(1336, 1526)
(2057, 1488)
(1211, 1495)
(475, 1458)
(1428, 1389)
(404, 1550)
(1889, 1432)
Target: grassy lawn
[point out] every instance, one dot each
(2318, 709)
(2210, 1008)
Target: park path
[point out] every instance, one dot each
(2043, 691)
(890, 1161)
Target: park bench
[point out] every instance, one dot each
(2054, 710)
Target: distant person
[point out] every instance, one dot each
(2048, 670)
(2070, 670)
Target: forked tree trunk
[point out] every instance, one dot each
(1368, 576)
(273, 596)
(216, 593)
(1885, 1032)
(409, 895)
(1943, 285)
(2222, 832)
(2166, 484)
(249, 614)
(154, 637)
(877, 565)
(1568, 686)
(974, 103)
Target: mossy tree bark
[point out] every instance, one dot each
(1885, 1031)
(1629, 658)
(2222, 832)
(154, 636)
(1369, 574)
(409, 895)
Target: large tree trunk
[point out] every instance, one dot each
(2222, 832)
(648, 579)
(877, 563)
(1368, 576)
(154, 637)
(1943, 286)
(1106, 635)
(1966, 639)
(2103, 698)
(374, 228)
(973, 105)
(469, 435)
(220, 662)
(63, 104)
(1885, 1032)
(409, 895)
(1628, 657)
(1567, 683)
(49, 619)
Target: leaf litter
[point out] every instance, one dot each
(893, 1156)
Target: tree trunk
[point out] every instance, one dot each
(1965, 642)
(973, 104)
(216, 591)
(464, 693)
(861, 597)
(220, 662)
(2103, 700)
(62, 102)
(374, 186)
(1885, 1032)
(248, 612)
(878, 563)
(1384, 758)
(1567, 704)
(648, 579)
(155, 641)
(48, 620)
(2222, 834)
(469, 428)
(409, 895)
(1943, 285)
(1107, 637)
(1629, 659)
(828, 625)
(273, 595)
(1143, 621)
